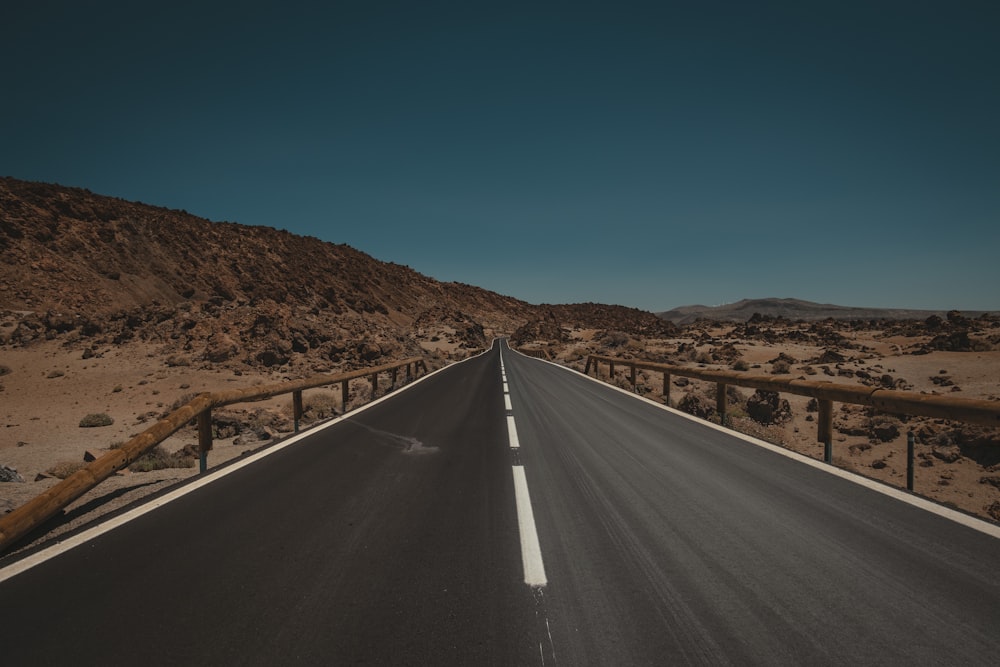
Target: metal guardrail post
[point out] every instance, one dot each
(909, 460)
(204, 438)
(825, 428)
(296, 409)
(720, 402)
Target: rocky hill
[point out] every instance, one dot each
(791, 309)
(101, 270)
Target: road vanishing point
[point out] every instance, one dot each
(507, 511)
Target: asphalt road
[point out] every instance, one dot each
(393, 537)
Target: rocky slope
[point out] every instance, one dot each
(100, 270)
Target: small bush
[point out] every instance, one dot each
(181, 402)
(159, 459)
(780, 367)
(320, 406)
(96, 419)
(64, 469)
(741, 365)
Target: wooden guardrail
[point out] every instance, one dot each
(35, 512)
(973, 411)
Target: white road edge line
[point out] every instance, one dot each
(899, 494)
(25, 564)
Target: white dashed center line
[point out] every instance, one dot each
(531, 552)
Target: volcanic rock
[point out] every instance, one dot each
(767, 407)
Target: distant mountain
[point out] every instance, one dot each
(792, 309)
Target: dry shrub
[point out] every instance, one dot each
(781, 367)
(95, 420)
(320, 406)
(158, 459)
(64, 469)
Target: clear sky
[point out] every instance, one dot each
(651, 154)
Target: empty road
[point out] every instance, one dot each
(530, 518)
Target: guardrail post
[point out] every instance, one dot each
(392, 377)
(374, 379)
(204, 438)
(633, 378)
(825, 428)
(720, 401)
(344, 389)
(666, 387)
(586, 370)
(611, 372)
(296, 408)
(909, 460)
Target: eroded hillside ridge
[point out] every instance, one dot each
(100, 271)
(71, 250)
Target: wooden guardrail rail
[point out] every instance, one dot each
(35, 512)
(973, 411)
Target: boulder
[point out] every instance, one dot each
(886, 431)
(767, 407)
(947, 454)
(221, 347)
(369, 351)
(8, 474)
(697, 405)
(830, 356)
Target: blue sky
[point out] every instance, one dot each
(649, 154)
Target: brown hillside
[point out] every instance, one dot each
(70, 250)
(101, 270)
